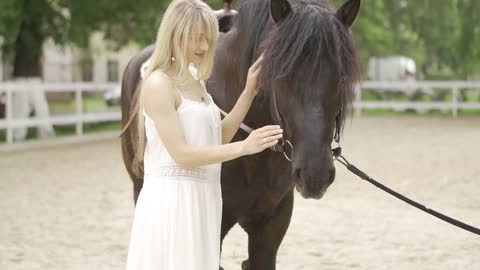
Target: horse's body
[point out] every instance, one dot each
(312, 73)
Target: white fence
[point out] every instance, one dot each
(424, 86)
(79, 117)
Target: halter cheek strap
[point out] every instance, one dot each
(337, 151)
(285, 142)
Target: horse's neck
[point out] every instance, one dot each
(229, 78)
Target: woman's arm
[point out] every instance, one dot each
(232, 120)
(159, 97)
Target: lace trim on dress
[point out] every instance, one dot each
(185, 172)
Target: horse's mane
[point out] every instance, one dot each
(311, 36)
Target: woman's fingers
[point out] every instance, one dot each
(257, 71)
(271, 132)
(266, 128)
(266, 136)
(269, 140)
(257, 63)
(269, 135)
(270, 144)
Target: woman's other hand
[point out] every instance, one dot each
(261, 139)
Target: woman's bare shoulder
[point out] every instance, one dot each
(158, 83)
(158, 87)
(158, 80)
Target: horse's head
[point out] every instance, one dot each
(311, 68)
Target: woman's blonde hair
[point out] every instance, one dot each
(182, 22)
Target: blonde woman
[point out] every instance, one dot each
(178, 213)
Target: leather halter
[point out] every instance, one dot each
(281, 147)
(337, 151)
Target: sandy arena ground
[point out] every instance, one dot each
(70, 207)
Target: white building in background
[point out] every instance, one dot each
(58, 63)
(101, 63)
(107, 64)
(392, 68)
(72, 64)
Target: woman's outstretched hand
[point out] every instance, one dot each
(253, 72)
(261, 139)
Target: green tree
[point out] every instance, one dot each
(441, 35)
(26, 24)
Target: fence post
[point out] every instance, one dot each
(455, 101)
(358, 99)
(8, 115)
(79, 110)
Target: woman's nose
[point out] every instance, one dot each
(204, 45)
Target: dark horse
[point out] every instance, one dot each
(310, 69)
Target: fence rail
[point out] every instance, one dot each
(79, 117)
(423, 86)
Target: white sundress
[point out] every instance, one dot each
(177, 218)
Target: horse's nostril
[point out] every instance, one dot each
(331, 175)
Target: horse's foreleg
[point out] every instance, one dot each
(264, 240)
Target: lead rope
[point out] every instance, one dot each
(399, 196)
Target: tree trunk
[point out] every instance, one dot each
(28, 46)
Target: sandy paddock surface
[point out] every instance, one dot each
(70, 207)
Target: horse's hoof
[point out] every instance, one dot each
(245, 265)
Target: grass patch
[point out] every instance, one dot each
(90, 104)
(93, 103)
(444, 95)
(69, 130)
(89, 128)
(412, 112)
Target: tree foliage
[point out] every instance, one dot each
(26, 24)
(443, 36)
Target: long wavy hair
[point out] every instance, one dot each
(182, 22)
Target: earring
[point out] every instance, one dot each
(173, 59)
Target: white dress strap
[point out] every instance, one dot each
(180, 93)
(174, 85)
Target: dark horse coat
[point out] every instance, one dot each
(311, 64)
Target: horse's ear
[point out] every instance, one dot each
(279, 9)
(348, 12)
(225, 22)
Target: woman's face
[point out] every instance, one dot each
(197, 49)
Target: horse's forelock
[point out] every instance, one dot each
(311, 36)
